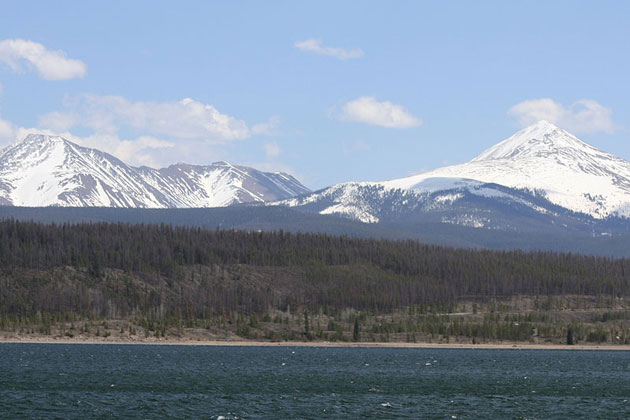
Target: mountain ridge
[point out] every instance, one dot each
(46, 170)
(542, 176)
(541, 167)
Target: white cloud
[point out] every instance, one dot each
(154, 134)
(51, 65)
(59, 121)
(367, 109)
(136, 152)
(185, 119)
(7, 129)
(7, 132)
(269, 128)
(581, 117)
(272, 149)
(315, 45)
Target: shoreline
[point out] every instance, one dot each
(327, 344)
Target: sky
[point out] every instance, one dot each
(327, 91)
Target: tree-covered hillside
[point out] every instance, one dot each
(172, 274)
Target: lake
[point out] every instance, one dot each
(147, 381)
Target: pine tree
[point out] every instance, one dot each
(307, 327)
(356, 333)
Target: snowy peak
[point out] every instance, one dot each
(41, 141)
(547, 159)
(46, 170)
(542, 160)
(34, 147)
(52, 171)
(542, 139)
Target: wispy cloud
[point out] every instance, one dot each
(367, 109)
(581, 117)
(59, 120)
(51, 65)
(148, 133)
(7, 132)
(315, 45)
(272, 149)
(269, 128)
(185, 119)
(139, 151)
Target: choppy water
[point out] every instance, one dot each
(102, 381)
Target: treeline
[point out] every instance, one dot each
(121, 270)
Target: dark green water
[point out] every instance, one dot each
(107, 381)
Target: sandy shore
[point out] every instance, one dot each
(234, 343)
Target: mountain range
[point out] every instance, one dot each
(540, 181)
(45, 171)
(541, 172)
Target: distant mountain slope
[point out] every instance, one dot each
(542, 171)
(467, 203)
(272, 218)
(51, 171)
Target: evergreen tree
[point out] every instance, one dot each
(307, 327)
(356, 332)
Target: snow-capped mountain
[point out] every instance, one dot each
(466, 203)
(548, 160)
(542, 177)
(541, 169)
(46, 170)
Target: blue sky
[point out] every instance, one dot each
(329, 91)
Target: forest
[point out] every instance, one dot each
(161, 280)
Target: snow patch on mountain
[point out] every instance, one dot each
(448, 198)
(352, 212)
(467, 220)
